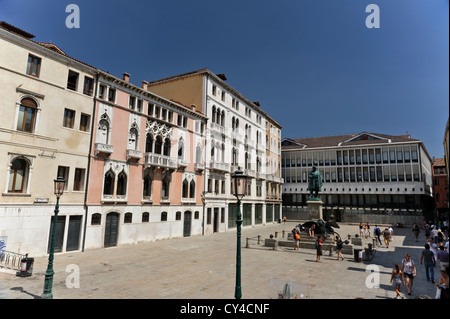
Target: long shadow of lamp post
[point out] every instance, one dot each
(48, 283)
(238, 186)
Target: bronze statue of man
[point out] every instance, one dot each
(314, 183)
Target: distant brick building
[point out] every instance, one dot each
(440, 186)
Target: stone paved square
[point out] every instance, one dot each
(204, 268)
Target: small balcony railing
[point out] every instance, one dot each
(160, 160)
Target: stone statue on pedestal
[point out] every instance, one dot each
(314, 183)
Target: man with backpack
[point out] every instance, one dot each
(377, 232)
(386, 236)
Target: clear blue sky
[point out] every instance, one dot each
(302, 59)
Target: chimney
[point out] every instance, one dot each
(126, 77)
(222, 76)
(256, 103)
(144, 85)
(193, 106)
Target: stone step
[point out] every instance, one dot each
(347, 249)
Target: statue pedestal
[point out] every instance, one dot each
(315, 209)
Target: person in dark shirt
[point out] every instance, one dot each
(428, 260)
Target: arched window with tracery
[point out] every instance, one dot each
(108, 185)
(122, 184)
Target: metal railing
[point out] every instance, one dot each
(11, 260)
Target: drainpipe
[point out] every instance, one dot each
(86, 209)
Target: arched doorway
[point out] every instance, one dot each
(111, 229)
(187, 224)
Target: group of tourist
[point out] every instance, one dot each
(435, 250)
(318, 244)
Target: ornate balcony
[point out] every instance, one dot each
(104, 149)
(250, 172)
(182, 163)
(134, 155)
(159, 160)
(199, 166)
(217, 128)
(219, 166)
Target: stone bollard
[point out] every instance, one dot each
(282, 236)
(246, 244)
(331, 250)
(259, 239)
(276, 234)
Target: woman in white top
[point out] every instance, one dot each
(409, 270)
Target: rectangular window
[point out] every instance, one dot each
(78, 181)
(88, 86)
(84, 122)
(72, 80)
(33, 65)
(150, 109)
(132, 102)
(69, 118)
(101, 91)
(63, 171)
(112, 95)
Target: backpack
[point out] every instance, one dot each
(297, 236)
(427, 231)
(377, 231)
(316, 244)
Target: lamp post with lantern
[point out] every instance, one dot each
(238, 186)
(59, 184)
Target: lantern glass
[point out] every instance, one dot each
(238, 184)
(59, 185)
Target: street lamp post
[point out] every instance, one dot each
(238, 185)
(48, 283)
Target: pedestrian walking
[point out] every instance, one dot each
(339, 244)
(416, 231)
(361, 230)
(367, 229)
(318, 245)
(391, 230)
(296, 234)
(409, 270)
(377, 233)
(442, 256)
(386, 237)
(284, 220)
(434, 234)
(428, 260)
(397, 280)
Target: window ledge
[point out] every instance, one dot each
(16, 194)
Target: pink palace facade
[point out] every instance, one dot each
(146, 166)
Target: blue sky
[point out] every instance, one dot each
(313, 64)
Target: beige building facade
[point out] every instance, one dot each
(46, 112)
